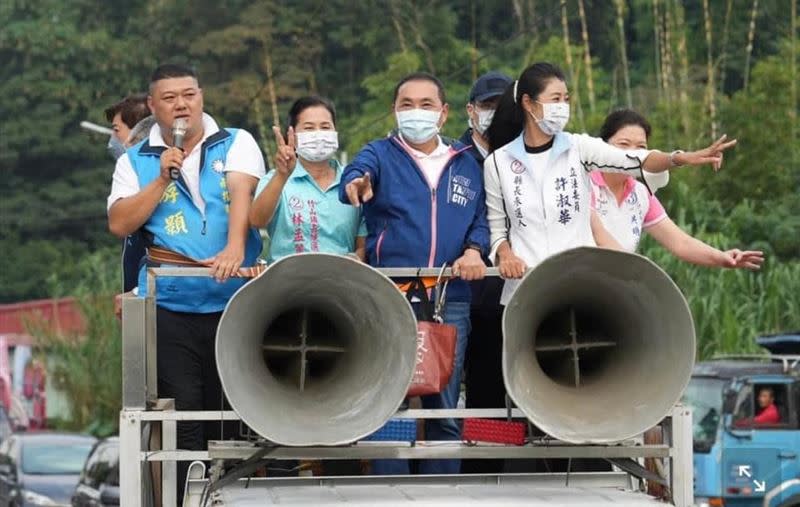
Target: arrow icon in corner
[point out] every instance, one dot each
(744, 470)
(760, 486)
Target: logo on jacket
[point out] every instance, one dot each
(517, 167)
(461, 194)
(218, 165)
(295, 203)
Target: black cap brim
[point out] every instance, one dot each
(486, 96)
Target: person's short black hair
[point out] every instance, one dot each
(132, 109)
(622, 118)
(770, 390)
(304, 103)
(172, 70)
(421, 76)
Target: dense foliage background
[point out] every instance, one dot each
(696, 68)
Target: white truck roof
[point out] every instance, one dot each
(585, 489)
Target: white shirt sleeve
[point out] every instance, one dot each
(597, 155)
(245, 156)
(495, 209)
(124, 182)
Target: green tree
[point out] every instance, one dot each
(87, 368)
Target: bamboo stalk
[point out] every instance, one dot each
(519, 15)
(474, 32)
(615, 85)
(623, 51)
(263, 132)
(710, 87)
(587, 56)
(669, 57)
(312, 81)
(576, 102)
(531, 17)
(421, 42)
(276, 120)
(683, 84)
(657, 47)
(565, 34)
(723, 56)
(751, 34)
(666, 53)
(397, 27)
(793, 86)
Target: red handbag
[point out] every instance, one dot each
(436, 343)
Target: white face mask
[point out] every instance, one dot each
(418, 125)
(317, 145)
(555, 116)
(484, 120)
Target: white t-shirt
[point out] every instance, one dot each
(432, 164)
(244, 156)
(483, 151)
(626, 220)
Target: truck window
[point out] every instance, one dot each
(743, 413)
(796, 389)
(704, 396)
(763, 406)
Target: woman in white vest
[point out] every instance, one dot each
(538, 189)
(627, 208)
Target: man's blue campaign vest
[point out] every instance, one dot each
(179, 225)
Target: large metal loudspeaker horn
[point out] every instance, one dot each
(598, 345)
(318, 350)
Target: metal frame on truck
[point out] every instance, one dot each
(148, 432)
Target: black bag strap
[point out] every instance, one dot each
(418, 290)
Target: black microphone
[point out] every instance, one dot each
(179, 127)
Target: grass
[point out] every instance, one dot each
(730, 307)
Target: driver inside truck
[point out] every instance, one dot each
(768, 411)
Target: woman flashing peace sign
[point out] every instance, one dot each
(298, 202)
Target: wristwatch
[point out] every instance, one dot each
(672, 162)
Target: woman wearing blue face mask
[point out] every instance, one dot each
(538, 190)
(298, 202)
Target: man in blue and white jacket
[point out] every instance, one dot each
(424, 205)
(202, 215)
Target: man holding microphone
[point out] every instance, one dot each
(191, 204)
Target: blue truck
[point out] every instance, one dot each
(746, 426)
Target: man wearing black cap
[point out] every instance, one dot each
(483, 98)
(484, 375)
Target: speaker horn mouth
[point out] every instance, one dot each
(590, 334)
(318, 350)
(574, 345)
(305, 345)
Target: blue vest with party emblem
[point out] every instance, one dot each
(179, 225)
